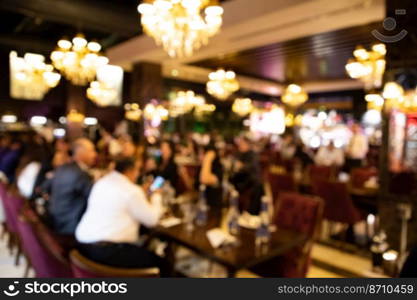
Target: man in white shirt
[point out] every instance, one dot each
(116, 208)
(357, 149)
(330, 156)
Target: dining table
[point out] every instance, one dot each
(240, 255)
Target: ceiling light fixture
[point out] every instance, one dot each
(181, 26)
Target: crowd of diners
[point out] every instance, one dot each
(99, 192)
(96, 194)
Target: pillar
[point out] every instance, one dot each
(146, 84)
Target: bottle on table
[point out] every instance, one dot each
(263, 234)
(233, 213)
(168, 196)
(202, 207)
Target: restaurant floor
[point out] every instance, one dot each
(328, 262)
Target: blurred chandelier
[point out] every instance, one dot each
(155, 112)
(133, 112)
(204, 109)
(78, 60)
(222, 84)
(368, 66)
(375, 101)
(393, 94)
(101, 94)
(242, 107)
(184, 102)
(397, 98)
(294, 95)
(179, 25)
(32, 77)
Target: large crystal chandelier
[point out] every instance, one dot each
(222, 84)
(368, 66)
(180, 26)
(242, 106)
(184, 102)
(31, 78)
(101, 94)
(294, 95)
(78, 60)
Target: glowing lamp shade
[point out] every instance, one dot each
(90, 121)
(59, 132)
(38, 121)
(9, 119)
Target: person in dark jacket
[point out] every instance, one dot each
(9, 160)
(211, 175)
(247, 177)
(70, 188)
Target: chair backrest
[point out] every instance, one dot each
(9, 210)
(359, 176)
(41, 247)
(82, 267)
(298, 212)
(3, 190)
(322, 172)
(338, 203)
(281, 183)
(303, 214)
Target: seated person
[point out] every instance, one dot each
(170, 171)
(304, 155)
(330, 156)
(9, 160)
(108, 230)
(211, 175)
(70, 188)
(247, 177)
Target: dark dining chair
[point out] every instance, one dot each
(281, 183)
(6, 226)
(338, 203)
(300, 213)
(82, 267)
(41, 247)
(320, 172)
(359, 176)
(14, 204)
(11, 222)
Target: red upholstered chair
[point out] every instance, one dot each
(11, 208)
(338, 204)
(192, 170)
(281, 183)
(14, 204)
(10, 224)
(41, 247)
(85, 268)
(322, 172)
(300, 213)
(359, 176)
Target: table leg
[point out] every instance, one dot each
(170, 257)
(231, 272)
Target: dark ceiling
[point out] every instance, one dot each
(36, 25)
(313, 58)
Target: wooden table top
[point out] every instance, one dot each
(243, 255)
